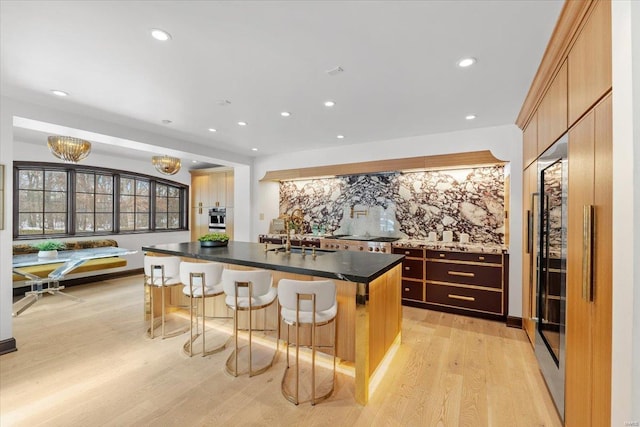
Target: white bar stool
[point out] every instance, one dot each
(161, 272)
(201, 281)
(309, 304)
(248, 291)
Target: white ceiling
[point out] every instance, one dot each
(399, 58)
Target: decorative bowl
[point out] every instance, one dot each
(212, 244)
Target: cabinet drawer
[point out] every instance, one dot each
(413, 268)
(474, 299)
(479, 275)
(465, 256)
(412, 290)
(409, 252)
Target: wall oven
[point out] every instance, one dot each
(218, 220)
(551, 267)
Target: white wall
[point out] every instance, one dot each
(6, 236)
(505, 142)
(625, 379)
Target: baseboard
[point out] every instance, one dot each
(514, 322)
(8, 346)
(87, 279)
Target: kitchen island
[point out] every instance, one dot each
(368, 290)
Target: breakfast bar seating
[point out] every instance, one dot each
(368, 293)
(161, 272)
(310, 304)
(249, 291)
(201, 280)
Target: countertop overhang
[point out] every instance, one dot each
(351, 266)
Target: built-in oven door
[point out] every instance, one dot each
(551, 268)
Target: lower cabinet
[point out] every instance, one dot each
(468, 283)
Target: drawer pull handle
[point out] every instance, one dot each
(461, 273)
(407, 289)
(407, 252)
(407, 268)
(481, 258)
(463, 298)
(442, 255)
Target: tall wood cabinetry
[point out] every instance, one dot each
(210, 189)
(572, 92)
(588, 367)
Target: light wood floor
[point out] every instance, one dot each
(89, 363)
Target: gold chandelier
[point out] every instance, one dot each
(68, 149)
(166, 165)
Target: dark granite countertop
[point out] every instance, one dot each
(360, 267)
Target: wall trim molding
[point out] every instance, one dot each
(8, 346)
(442, 161)
(572, 18)
(514, 322)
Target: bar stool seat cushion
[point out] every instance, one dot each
(209, 291)
(256, 301)
(289, 315)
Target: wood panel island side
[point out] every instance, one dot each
(368, 285)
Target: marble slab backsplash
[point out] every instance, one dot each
(408, 205)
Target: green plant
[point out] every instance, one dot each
(49, 245)
(214, 237)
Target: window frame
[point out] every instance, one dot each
(72, 170)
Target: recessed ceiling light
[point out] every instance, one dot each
(340, 136)
(466, 62)
(166, 121)
(194, 161)
(470, 117)
(59, 92)
(254, 149)
(242, 123)
(329, 103)
(213, 130)
(160, 35)
(285, 114)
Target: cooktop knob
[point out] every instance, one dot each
(370, 249)
(346, 246)
(361, 248)
(377, 249)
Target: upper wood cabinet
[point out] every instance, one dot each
(590, 62)
(530, 142)
(552, 113)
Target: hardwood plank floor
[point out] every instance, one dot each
(90, 363)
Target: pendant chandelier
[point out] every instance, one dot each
(68, 149)
(166, 165)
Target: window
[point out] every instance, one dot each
(167, 206)
(94, 202)
(134, 204)
(67, 200)
(42, 201)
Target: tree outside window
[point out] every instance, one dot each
(42, 202)
(94, 202)
(134, 204)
